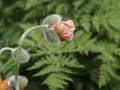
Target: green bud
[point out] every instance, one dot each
(52, 37)
(52, 19)
(23, 81)
(24, 55)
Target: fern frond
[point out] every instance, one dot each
(106, 57)
(40, 64)
(106, 71)
(6, 68)
(64, 77)
(104, 77)
(55, 80)
(57, 70)
(45, 70)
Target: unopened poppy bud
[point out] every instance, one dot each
(23, 81)
(52, 37)
(24, 55)
(52, 19)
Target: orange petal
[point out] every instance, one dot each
(69, 24)
(3, 85)
(65, 29)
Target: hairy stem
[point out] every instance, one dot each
(17, 63)
(5, 48)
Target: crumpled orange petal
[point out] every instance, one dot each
(65, 29)
(3, 84)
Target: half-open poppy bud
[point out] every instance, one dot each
(23, 81)
(24, 55)
(52, 19)
(65, 29)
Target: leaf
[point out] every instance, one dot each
(86, 26)
(114, 22)
(30, 4)
(103, 76)
(96, 24)
(77, 4)
(45, 70)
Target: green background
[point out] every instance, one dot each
(91, 61)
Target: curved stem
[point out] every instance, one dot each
(30, 29)
(17, 64)
(6, 48)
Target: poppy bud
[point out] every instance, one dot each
(23, 81)
(65, 29)
(52, 37)
(52, 19)
(24, 55)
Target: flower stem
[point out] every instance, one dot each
(6, 48)
(20, 43)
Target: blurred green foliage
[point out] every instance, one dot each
(96, 44)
